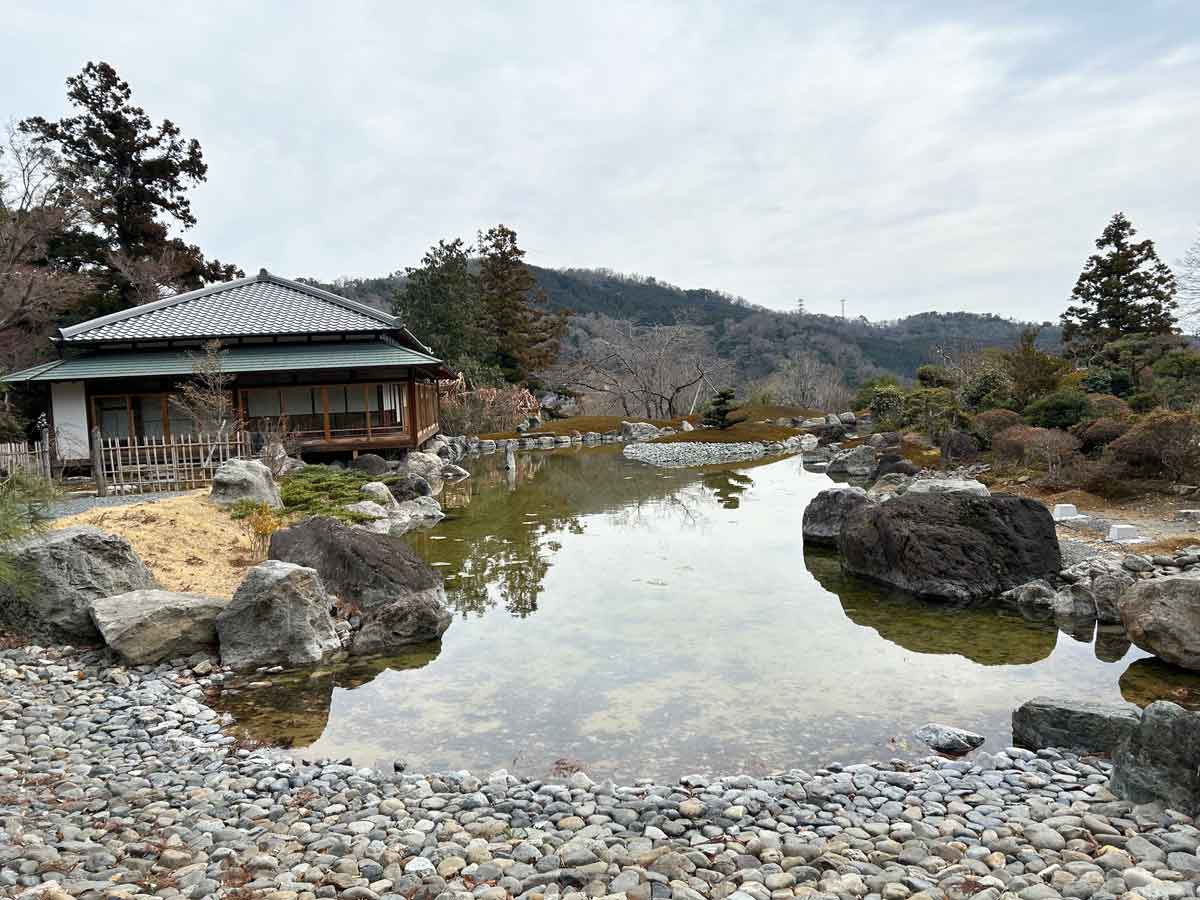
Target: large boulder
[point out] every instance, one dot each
(1157, 763)
(638, 431)
(408, 486)
(244, 479)
(1162, 616)
(858, 461)
(825, 513)
(280, 615)
(401, 599)
(893, 464)
(955, 546)
(948, 739)
(372, 464)
(1077, 726)
(149, 626)
(429, 466)
(893, 484)
(379, 493)
(60, 573)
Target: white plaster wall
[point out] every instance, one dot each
(69, 405)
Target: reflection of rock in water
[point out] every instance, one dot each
(1079, 628)
(1150, 679)
(1111, 643)
(981, 634)
(293, 710)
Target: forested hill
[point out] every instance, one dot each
(753, 336)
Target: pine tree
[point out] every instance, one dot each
(719, 410)
(1125, 289)
(528, 336)
(135, 176)
(439, 301)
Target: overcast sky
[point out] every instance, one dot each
(905, 156)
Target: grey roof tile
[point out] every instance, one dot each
(264, 304)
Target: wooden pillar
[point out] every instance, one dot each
(367, 408)
(98, 462)
(325, 408)
(414, 425)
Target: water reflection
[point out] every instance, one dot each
(654, 622)
(1149, 680)
(982, 634)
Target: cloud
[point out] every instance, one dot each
(900, 158)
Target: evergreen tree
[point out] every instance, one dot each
(135, 177)
(1124, 289)
(719, 410)
(439, 301)
(527, 335)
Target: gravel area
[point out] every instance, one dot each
(118, 782)
(692, 453)
(74, 505)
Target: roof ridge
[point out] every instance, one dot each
(263, 276)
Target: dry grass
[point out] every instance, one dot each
(756, 413)
(1168, 545)
(188, 543)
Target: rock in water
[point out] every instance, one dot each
(151, 626)
(1073, 725)
(825, 513)
(946, 739)
(408, 486)
(893, 463)
(401, 598)
(858, 461)
(1158, 761)
(1162, 616)
(638, 431)
(244, 479)
(954, 546)
(62, 573)
(279, 616)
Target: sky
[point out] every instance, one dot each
(904, 156)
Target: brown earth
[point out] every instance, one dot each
(188, 543)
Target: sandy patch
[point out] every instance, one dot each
(188, 543)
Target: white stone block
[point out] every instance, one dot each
(1065, 511)
(1122, 533)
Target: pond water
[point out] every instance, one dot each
(646, 622)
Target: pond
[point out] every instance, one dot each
(644, 622)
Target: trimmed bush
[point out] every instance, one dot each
(1107, 406)
(1011, 443)
(1062, 409)
(1166, 443)
(988, 424)
(1142, 402)
(1099, 433)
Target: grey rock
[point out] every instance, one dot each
(371, 463)
(953, 546)
(827, 511)
(1162, 616)
(280, 615)
(947, 739)
(62, 573)
(1078, 726)
(858, 461)
(402, 600)
(639, 431)
(948, 486)
(149, 626)
(408, 486)
(240, 480)
(1157, 763)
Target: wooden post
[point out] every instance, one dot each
(414, 412)
(98, 462)
(325, 408)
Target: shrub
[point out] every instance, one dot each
(258, 523)
(321, 491)
(1062, 409)
(990, 423)
(932, 376)
(1163, 442)
(1050, 449)
(1011, 443)
(886, 406)
(1107, 406)
(866, 391)
(24, 505)
(959, 447)
(485, 410)
(1101, 432)
(990, 388)
(1177, 378)
(1142, 402)
(1108, 380)
(932, 410)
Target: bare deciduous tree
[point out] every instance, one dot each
(151, 277)
(34, 208)
(655, 371)
(803, 380)
(207, 398)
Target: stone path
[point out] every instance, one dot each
(120, 782)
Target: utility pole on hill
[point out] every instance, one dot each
(843, 307)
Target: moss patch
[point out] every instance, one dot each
(323, 491)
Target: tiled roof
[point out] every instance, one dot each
(299, 356)
(264, 304)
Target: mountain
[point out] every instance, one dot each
(753, 337)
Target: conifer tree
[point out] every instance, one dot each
(1124, 289)
(719, 410)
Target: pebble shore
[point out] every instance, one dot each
(693, 453)
(122, 782)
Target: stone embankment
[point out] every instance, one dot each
(122, 782)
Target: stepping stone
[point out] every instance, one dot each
(1122, 533)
